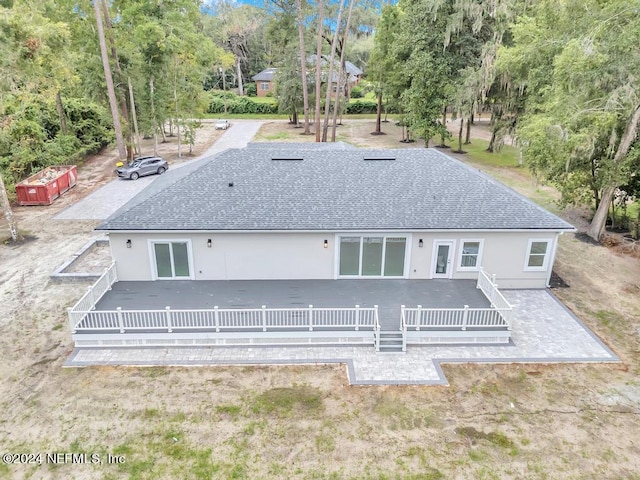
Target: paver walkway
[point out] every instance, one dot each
(102, 203)
(544, 331)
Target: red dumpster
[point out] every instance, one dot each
(46, 185)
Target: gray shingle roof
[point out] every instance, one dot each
(332, 190)
(265, 75)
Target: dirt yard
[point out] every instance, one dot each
(563, 421)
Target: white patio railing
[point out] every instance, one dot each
(93, 295)
(217, 319)
(452, 318)
(489, 287)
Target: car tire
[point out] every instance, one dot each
(161, 170)
(134, 176)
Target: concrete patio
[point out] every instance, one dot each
(544, 331)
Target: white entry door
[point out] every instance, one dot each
(442, 259)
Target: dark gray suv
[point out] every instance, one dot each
(143, 166)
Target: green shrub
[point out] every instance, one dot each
(251, 90)
(362, 106)
(357, 92)
(239, 105)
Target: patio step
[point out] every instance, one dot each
(390, 342)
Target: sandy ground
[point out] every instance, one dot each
(493, 422)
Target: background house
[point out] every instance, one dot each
(265, 82)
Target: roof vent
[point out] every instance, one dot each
(287, 159)
(379, 159)
(231, 184)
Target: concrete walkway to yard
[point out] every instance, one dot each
(102, 203)
(544, 331)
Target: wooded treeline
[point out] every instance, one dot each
(559, 76)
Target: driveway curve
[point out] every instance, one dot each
(102, 203)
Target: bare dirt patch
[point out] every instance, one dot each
(495, 421)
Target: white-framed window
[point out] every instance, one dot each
(372, 255)
(538, 253)
(470, 255)
(171, 259)
(264, 85)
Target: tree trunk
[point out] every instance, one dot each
(460, 135)
(444, 126)
(134, 116)
(154, 120)
(61, 114)
(175, 99)
(316, 120)
(8, 213)
(122, 152)
(239, 73)
(332, 58)
(340, 72)
(600, 218)
(122, 95)
(303, 68)
(467, 139)
(379, 112)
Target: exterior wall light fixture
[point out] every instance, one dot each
(420, 243)
(326, 244)
(209, 243)
(129, 243)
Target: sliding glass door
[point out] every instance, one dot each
(171, 259)
(372, 256)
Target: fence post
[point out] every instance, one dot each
(480, 271)
(216, 318)
(72, 320)
(120, 322)
(310, 318)
(91, 298)
(264, 318)
(357, 317)
(464, 317)
(167, 311)
(418, 318)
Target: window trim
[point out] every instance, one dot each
(407, 253)
(152, 258)
(263, 88)
(547, 254)
(459, 266)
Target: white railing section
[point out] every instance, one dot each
(218, 319)
(403, 327)
(93, 295)
(452, 318)
(378, 330)
(489, 287)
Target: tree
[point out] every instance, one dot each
(303, 67)
(385, 61)
(122, 152)
(318, 76)
(581, 106)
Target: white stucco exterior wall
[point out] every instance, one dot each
(267, 256)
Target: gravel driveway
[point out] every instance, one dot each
(102, 203)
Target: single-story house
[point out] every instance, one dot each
(265, 82)
(294, 212)
(334, 213)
